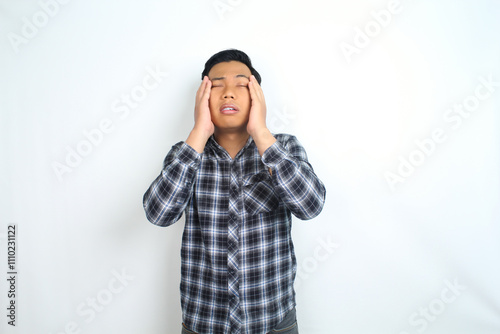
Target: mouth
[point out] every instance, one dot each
(228, 109)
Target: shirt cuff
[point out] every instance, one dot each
(275, 154)
(189, 156)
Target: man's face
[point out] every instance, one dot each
(229, 97)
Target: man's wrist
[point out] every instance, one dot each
(197, 139)
(202, 132)
(263, 139)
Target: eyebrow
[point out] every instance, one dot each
(236, 76)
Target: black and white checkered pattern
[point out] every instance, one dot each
(237, 257)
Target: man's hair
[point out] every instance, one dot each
(227, 56)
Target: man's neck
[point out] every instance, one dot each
(232, 142)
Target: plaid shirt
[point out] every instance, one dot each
(237, 257)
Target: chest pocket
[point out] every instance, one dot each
(259, 195)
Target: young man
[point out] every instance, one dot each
(238, 186)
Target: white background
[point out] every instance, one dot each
(391, 251)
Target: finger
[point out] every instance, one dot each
(201, 89)
(259, 89)
(208, 88)
(255, 89)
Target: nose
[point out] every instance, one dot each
(228, 93)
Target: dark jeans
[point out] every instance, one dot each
(287, 326)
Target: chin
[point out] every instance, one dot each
(231, 127)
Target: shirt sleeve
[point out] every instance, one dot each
(294, 179)
(170, 192)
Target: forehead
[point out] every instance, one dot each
(229, 69)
